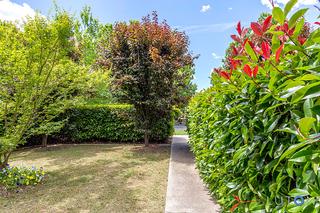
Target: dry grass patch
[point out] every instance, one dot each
(93, 178)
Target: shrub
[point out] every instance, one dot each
(13, 177)
(255, 133)
(110, 122)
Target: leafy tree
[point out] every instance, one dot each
(89, 32)
(184, 88)
(38, 80)
(145, 58)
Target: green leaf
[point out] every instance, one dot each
(298, 27)
(250, 52)
(316, 110)
(301, 156)
(307, 91)
(291, 91)
(291, 150)
(278, 15)
(314, 190)
(307, 106)
(305, 124)
(307, 176)
(289, 6)
(296, 16)
(245, 136)
(288, 130)
(298, 192)
(308, 77)
(273, 125)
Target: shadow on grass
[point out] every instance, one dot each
(96, 178)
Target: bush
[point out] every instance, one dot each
(13, 177)
(110, 122)
(255, 133)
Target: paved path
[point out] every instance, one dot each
(186, 192)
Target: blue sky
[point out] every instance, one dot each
(208, 23)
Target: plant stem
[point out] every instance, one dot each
(274, 66)
(298, 45)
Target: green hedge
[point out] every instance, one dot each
(110, 122)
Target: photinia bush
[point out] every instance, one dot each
(256, 132)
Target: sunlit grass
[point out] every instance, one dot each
(93, 178)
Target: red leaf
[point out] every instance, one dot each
(247, 70)
(236, 38)
(245, 41)
(236, 198)
(256, 27)
(285, 27)
(318, 23)
(255, 71)
(265, 50)
(239, 28)
(251, 44)
(234, 63)
(225, 75)
(235, 51)
(279, 51)
(266, 23)
(301, 40)
(291, 31)
(234, 207)
(244, 32)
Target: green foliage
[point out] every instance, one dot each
(256, 139)
(89, 32)
(13, 177)
(38, 80)
(110, 122)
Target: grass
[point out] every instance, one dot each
(93, 178)
(180, 132)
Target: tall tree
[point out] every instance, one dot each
(38, 80)
(145, 58)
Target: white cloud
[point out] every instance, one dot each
(283, 2)
(215, 56)
(230, 8)
(216, 28)
(205, 8)
(11, 11)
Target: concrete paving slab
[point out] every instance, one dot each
(186, 192)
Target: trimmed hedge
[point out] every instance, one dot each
(256, 131)
(110, 122)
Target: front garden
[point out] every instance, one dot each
(87, 110)
(78, 99)
(98, 178)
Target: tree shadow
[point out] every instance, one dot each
(99, 185)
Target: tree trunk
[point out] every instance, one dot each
(146, 138)
(44, 140)
(4, 160)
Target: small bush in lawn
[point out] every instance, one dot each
(13, 177)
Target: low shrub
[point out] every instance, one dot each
(255, 133)
(110, 122)
(14, 177)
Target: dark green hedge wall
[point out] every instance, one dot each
(112, 123)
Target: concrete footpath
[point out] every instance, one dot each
(186, 192)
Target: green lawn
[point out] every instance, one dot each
(180, 132)
(93, 178)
